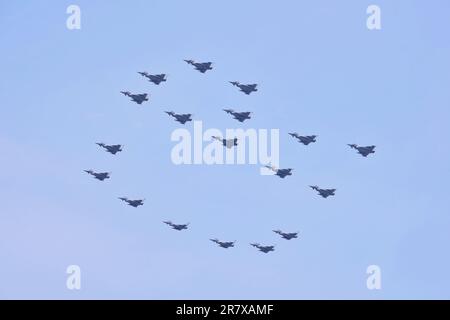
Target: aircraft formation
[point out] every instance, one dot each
(241, 116)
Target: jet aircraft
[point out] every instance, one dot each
(181, 118)
(304, 139)
(200, 66)
(113, 149)
(178, 227)
(99, 175)
(222, 244)
(261, 248)
(229, 143)
(364, 151)
(287, 236)
(282, 173)
(133, 203)
(325, 193)
(138, 97)
(239, 116)
(245, 88)
(155, 78)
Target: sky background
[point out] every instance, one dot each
(320, 70)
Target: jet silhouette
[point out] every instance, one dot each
(245, 88)
(178, 227)
(304, 139)
(138, 98)
(239, 116)
(224, 245)
(261, 248)
(181, 118)
(364, 151)
(282, 173)
(200, 66)
(325, 193)
(99, 175)
(287, 236)
(229, 143)
(155, 78)
(113, 149)
(133, 203)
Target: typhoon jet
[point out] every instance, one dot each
(99, 175)
(245, 88)
(113, 149)
(261, 248)
(239, 116)
(138, 97)
(181, 118)
(304, 139)
(364, 151)
(324, 193)
(287, 236)
(200, 66)
(282, 173)
(225, 244)
(178, 227)
(133, 203)
(229, 143)
(155, 78)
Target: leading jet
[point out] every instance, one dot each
(224, 245)
(200, 66)
(245, 88)
(325, 193)
(282, 173)
(99, 175)
(261, 248)
(178, 227)
(113, 149)
(138, 97)
(181, 118)
(364, 151)
(133, 203)
(287, 236)
(304, 139)
(155, 78)
(229, 143)
(239, 116)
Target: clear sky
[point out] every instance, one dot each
(320, 70)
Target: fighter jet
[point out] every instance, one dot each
(181, 118)
(178, 227)
(229, 143)
(224, 245)
(261, 248)
(200, 66)
(155, 78)
(99, 175)
(287, 236)
(138, 98)
(282, 173)
(325, 193)
(239, 116)
(111, 148)
(133, 203)
(304, 139)
(245, 88)
(364, 151)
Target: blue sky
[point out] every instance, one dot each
(320, 70)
